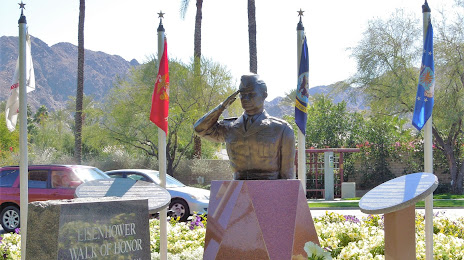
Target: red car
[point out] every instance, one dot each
(46, 182)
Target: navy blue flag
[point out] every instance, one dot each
(424, 98)
(302, 94)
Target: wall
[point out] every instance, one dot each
(398, 169)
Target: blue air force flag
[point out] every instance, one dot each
(302, 94)
(424, 98)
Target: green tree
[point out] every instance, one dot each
(41, 115)
(388, 57)
(9, 142)
(94, 137)
(62, 123)
(449, 94)
(196, 55)
(31, 126)
(379, 139)
(331, 125)
(129, 104)
(289, 98)
(52, 134)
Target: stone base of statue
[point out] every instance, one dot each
(258, 219)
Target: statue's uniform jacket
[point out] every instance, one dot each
(266, 149)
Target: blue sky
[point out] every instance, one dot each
(128, 29)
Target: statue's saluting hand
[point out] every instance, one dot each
(230, 99)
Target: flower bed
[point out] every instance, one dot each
(345, 237)
(186, 240)
(10, 245)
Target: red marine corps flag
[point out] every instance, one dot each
(160, 99)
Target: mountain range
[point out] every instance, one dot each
(278, 108)
(55, 70)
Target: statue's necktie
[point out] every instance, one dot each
(249, 121)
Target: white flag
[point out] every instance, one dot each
(12, 105)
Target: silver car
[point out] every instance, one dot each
(185, 200)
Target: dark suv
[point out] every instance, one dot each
(46, 182)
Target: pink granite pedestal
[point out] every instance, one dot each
(258, 220)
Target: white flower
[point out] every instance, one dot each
(315, 251)
(311, 249)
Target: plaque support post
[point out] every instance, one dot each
(400, 234)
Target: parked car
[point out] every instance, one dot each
(46, 182)
(184, 199)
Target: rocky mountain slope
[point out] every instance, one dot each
(56, 71)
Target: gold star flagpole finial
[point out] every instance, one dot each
(161, 16)
(22, 6)
(300, 13)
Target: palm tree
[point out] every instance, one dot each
(252, 36)
(80, 85)
(197, 57)
(198, 17)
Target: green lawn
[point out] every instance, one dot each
(443, 204)
(342, 204)
(435, 196)
(438, 203)
(448, 196)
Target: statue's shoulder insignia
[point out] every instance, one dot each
(278, 120)
(229, 120)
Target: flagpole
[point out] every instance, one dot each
(23, 167)
(301, 136)
(162, 157)
(428, 157)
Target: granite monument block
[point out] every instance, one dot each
(105, 228)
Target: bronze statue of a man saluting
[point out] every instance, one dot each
(260, 147)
